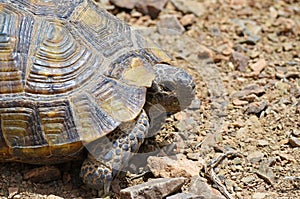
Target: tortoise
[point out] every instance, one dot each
(74, 77)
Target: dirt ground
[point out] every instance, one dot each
(244, 56)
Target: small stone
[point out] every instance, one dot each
(258, 66)
(248, 179)
(127, 4)
(239, 60)
(188, 19)
(237, 161)
(157, 188)
(185, 196)
(287, 157)
(169, 25)
(249, 98)
(294, 142)
(296, 132)
(259, 195)
(288, 46)
(250, 29)
(193, 156)
(254, 89)
(265, 171)
(199, 186)
(12, 191)
(273, 37)
(151, 7)
(54, 197)
(238, 102)
(174, 166)
(255, 156)
(283, 87)
(292, 74)
(188, 7)
(254, 54)
(262, 143)
(256, 107)
(273, 12)
(195, 105)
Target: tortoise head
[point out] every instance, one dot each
(172, 89)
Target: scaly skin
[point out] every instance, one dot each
(172, 90)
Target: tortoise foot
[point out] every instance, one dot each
(111, 154)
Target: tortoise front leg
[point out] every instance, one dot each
(110, 154)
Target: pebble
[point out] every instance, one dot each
(169, 25)
(238, 102)
(188, 19)
(294, 142)
(256, 107)
(54, 197)
(185, 196)
(157, 188)
(265, 171)
(239, 60)
(174, 166)
(195, 105)
(188, 7)
(12, 191)
(259, 195)
(262, 143)
(258, 66)
(255, 156)
(199, 186)
(127, 4)
(150, 7)
(250, 30)
(248, 179)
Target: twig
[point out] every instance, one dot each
(209, 171)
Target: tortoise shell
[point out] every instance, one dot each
(70, 73)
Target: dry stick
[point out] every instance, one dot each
(209, 171)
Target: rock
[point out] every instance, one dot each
(255, 156)
(239, 60)
(13, 191)
(266, 172)
(151, 7)
(188, 7)
(185, 196)
(256, 107)
(286, 157)
(250, 30)
(258, 66)
(199, 186)
(169, 25)
(262, 143)
(259, 195)
(294, 142)
(248, 179)
(238, 102)
(157, 188)
(53, 197)
(176, 166)
(248, 90)
(43, 174)
(127, 4)
(188, 19)
(249, 98)
(195, 104)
